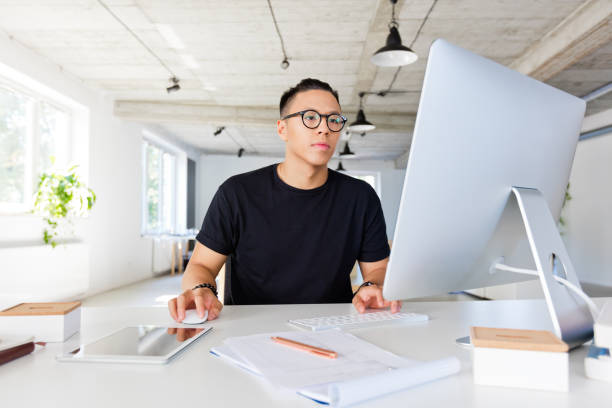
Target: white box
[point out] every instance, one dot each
(48, 322)
(598, 364)
(603, 327)
(540, 370)
(520, 358)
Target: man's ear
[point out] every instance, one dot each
(281, 129)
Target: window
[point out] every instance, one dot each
(34, 137)
(159, 192)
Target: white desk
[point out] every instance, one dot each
(197, 378)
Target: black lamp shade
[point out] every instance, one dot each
(347, 151)
(394, 54)
(361, 124)
(340, 167)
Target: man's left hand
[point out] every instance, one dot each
(371, 297)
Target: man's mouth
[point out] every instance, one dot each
(322, 146)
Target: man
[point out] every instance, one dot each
(293, 230)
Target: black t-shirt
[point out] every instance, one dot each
(289, 245)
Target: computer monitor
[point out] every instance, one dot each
(485, 182)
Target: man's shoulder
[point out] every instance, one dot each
(252, 178)
(352, 184)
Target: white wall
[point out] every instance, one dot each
(589, 214)
(213, 170)
(117, 253)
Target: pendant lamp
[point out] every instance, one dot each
(394, 53)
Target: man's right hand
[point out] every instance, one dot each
(201, 299)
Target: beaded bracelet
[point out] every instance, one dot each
(366, 283)
(207, 285)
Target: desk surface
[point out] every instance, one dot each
(197, 376)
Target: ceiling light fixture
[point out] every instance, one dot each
(394, 53)
(361, 124)
(285, 62)
(340, 167)
(347, 151)
(174, 88)
(240, 152)
(219, 130)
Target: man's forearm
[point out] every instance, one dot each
(196, 274)
(376, 276)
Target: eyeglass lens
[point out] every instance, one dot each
(312, 119)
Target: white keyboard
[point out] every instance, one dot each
(357, 320)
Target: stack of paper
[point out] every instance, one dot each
(340, 381)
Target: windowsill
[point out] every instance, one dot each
(4, 212)
(37, 243)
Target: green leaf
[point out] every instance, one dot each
(55, 200)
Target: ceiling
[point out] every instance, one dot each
(228, 57)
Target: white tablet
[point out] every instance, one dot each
(138, 344)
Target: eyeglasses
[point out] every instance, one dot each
(312, 119)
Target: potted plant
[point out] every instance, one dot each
(59, 198)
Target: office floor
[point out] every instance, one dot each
(157, 291)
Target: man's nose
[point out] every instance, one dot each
(322, 128)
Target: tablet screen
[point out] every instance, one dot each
(137, 344)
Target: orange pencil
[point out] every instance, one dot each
(305, 347)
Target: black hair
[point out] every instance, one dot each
(305, 85)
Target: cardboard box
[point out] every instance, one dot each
(48, 322)
(533, 359)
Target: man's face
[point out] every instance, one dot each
(313, 146)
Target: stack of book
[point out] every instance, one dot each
(598, 363)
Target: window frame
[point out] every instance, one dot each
(32, 139)
(145, 231)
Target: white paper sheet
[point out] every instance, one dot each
(361, 389)
(295, 369)
(361, 372)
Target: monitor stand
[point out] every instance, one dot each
(570, 315)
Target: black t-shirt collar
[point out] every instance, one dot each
(286, 186)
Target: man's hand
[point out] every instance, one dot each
(183, 334)
(371, 297)
(201, 299)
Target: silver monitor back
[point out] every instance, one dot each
(481, 130)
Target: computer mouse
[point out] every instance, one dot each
(192, 317)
